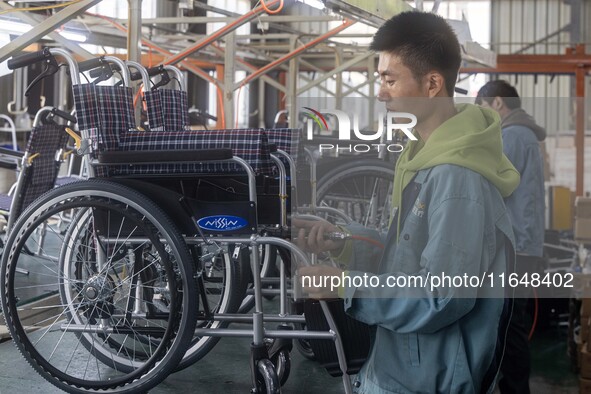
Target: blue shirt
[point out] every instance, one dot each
(439, 341)
(526, 205)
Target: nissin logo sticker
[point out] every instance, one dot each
(222, 223)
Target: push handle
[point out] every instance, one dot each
(64, 115)
(90, 64)
(28, 59)
(152, 71)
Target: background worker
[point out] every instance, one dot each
(521, 143)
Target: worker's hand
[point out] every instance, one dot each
(310, 236)
(318, 282)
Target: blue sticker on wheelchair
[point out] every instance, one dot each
(222, 223)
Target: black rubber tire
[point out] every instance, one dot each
(282, 362)
(355, 181)
(267, 376)
(172, 340)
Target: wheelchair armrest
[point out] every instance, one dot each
(163, 156)
(272, 148)
(11, 153)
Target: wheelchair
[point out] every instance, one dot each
(124, 291)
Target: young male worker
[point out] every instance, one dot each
(429, 340)
(521, 137)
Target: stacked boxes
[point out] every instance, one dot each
(583, 218)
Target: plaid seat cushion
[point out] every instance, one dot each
(249, 144)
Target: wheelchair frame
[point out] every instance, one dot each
(259, 354)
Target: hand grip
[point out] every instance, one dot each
(96, 72)
(90, 64)
(153, 71)
(64, 115)
(28, 59)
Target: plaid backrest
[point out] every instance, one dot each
(105, 112)
(175, 108)
(168, 110)
(154, 110)
(40, 176)
(251, 145)
(288, 140)
(87, 112)
(115, 105)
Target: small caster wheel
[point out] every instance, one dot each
(282, 362)
(268, 381)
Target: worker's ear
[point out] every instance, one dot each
(497, 103)
(435, 83)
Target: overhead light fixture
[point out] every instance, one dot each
(13, 27)
(313, 3)
(17, 29)
(73, 36)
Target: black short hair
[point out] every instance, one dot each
(499, 88)
(424, 41)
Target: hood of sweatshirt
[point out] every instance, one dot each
(518, 117)
(470, 139)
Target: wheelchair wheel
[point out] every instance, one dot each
(360, 189)
(109, 303)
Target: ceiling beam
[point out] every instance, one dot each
(225, 19)
(46, 26)
(230, 27)
(34, 20)
(296, 52)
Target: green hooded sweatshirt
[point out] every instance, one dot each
(471, 139)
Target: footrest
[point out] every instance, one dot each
(163, 156)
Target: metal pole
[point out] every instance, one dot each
(62, 95)
(134, 31)
(580, 133)
(134, 51)
(261, 114)
(229, 72)
(371, 68)
(292, 86)
(338, 93)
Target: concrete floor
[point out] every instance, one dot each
(225, 370)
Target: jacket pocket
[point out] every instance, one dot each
(413, 348)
